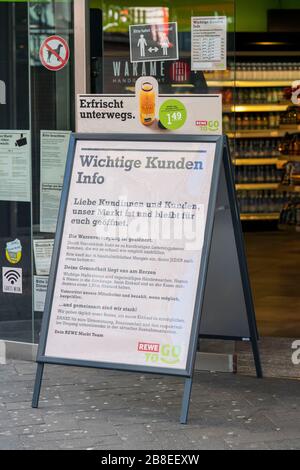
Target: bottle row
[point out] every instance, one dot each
(290, 145)
(255, 95)
(255, 148)
(264, 70)
(250, 121)
(261, 202)
(257, 174)
(267, 70)
(291, 116)
(290, 214)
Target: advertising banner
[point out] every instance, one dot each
(147, 112)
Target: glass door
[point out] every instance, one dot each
(112, 71)
(15, 175)
(36, 117)
(51, 39)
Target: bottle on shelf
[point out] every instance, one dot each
(248, 174)
(226, 123)
(261, 202)
(266, 70)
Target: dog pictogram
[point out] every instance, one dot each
(54, 53)
(57, 50)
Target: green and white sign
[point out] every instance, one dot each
(172, 114)
(148, 112)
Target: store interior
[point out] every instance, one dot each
(263, 125)
(261, 121)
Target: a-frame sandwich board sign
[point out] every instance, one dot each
(132, 252)
(228, 310)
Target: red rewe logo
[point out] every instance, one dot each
(148, 347)
(201, 123)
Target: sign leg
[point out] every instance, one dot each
(186, 400)
(256, 356)
(37, 385)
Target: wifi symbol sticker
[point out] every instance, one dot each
(12, 280)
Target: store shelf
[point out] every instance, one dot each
(263, 83)
(289, 158)
(221, 83)
(255, 161)
(289, 228)
(270, 216)
(263, 133)
(249, 108)
(289, 188)
(255, 186)
(249, 83)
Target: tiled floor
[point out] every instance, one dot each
(274, 266)
(105, 410)
(276, 357)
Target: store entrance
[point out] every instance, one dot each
(267, 158)
(258, 117)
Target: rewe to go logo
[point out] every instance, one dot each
(157, 353)
(205, 125)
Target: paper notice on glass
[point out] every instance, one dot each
(42, 250)
(40, 284)
(54, 148)
(15, 166)
(209, 43)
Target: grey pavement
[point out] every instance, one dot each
(106, 410)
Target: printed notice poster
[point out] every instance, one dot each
(130, 252)
(54, 149)
(209, 43)
(15, 166)
(40, 284)
(42, 250)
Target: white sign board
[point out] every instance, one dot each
(15, 166)
(127, 269)
(40, 284)
(54, 149)
(209, 43)
(42, 250)
(176, 114)
(138, 249)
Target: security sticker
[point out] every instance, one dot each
(13, 251)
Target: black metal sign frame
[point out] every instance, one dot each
(221, 155)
